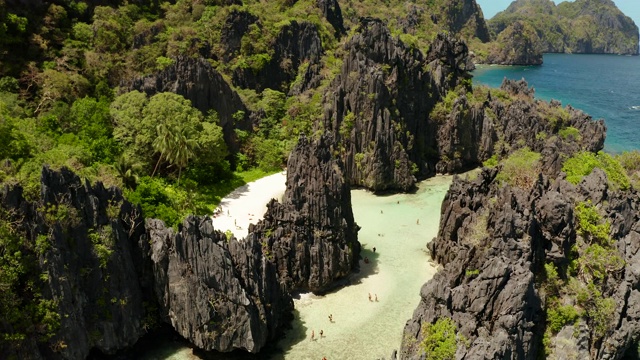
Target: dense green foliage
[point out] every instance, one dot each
(520, 169)
(583, 163)
(440, 340)
(24, 312)
(582, 26)
(580, 291)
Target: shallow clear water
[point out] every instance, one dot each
(399, 226)
(604, 86)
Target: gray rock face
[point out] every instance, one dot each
(198, 81)
(296, 43)
(311, 235)
(95, 272)
(494, 242)
(218, 293)
(236, 25)
(224, 294)
(333, 14)
(473, 132)
(378, 107)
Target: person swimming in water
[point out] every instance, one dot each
(313, 335)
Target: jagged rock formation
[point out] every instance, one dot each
(296, 43)
(196, 80)
(377, 107)
(462, 18)
(465, 14)
(495, 243)
(474, 130)
(219, 293)
(311, 236)
(331, 11)
(519, 45)
(583, 26)
(236, 25)
(382, 110)
(91, 251)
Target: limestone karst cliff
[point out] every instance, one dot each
(311, 235)
(534, 268)
(82, 252)
(584, 26)
(104, 276)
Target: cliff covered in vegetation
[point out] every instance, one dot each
(581, 27)
(83, 272)
(178, 103)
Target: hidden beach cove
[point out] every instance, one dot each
(401, 209)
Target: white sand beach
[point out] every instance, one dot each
(248, 203)
(398, 226)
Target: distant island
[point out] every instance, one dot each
(528, 28)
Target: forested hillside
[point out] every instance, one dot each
(120, 120)
(582, 26)
(87, 84)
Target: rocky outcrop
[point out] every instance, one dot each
(473, 131)
(497, 244)
(385, 110)
(295, 44)
(236, 25)
(224, 294)
(519, 45)
(86, 241)
(584, 26)
(218, 293)
(378, 106)
(311, 236)
(333, 14)
(487, 245)
(466, 14)
(197, 81)
(462, 18)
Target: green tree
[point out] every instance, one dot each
(90, 120)
(440, 340)
(134, 135)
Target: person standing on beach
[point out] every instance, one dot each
(313, 335)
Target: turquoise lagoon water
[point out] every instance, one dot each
(604, 86)
(399, 227)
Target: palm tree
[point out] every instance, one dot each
(161, 144)
(125, 169)
(176, 145)
(183, 150)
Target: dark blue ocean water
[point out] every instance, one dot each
(604, 86)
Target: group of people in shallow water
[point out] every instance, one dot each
(313, 333)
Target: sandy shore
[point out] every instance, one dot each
(247, 204)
